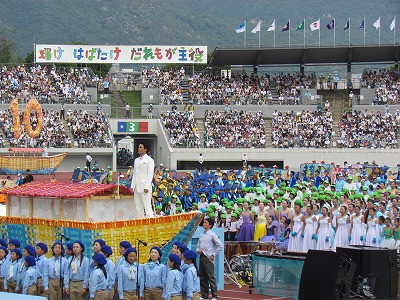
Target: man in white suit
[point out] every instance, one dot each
(143, 172)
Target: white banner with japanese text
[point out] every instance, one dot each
(121, 54)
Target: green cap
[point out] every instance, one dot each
(159, 207)
(212, 215)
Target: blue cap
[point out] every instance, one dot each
(190, 254)
(17, 252)
(42, 246)
(106, 249)
(100, 241)
(125, 244)
(15, 242)
(57, 243)
(70, 246)
(30, 260)
(80, 244)
(177, 244)
(4, 249)
(30, 249)
(129, 250)
(3, 243)
(157, 249)
(100, 259)
(175, 258)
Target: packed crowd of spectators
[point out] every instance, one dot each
(53, 133)
(181, 128)
(302, 129)
(368, 129)
(289, 87)
(169, 83)
(237, 90)
(89, 129)
(234, 129)
(45, 84)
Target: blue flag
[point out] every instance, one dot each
(241, 28)
(331, 25)
(286, 27)
(362, 24)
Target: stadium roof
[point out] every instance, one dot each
(305, 56)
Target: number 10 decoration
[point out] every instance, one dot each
(32, 104)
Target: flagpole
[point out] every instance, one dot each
(394, 32)
(319, 34)
(349, 31)
(274, 32)
(259, 37)
(334, 33)
(304, 33)
(379, 41)
(245, 29)
(364, 31)
(289, 33)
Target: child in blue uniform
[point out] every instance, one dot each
(29, 287)
(127, 276)
(98, 279)
(3, 266)
(191, 280)
(174, 283)
(77, 277)
(10, 284)
(110, 268)
(155, 275)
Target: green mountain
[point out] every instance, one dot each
(182, 22)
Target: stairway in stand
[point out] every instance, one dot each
(201, 129)
(337, 108)
(268, 133)
(119, 101)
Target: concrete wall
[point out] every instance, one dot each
(106, 108)
(291, 157)
(267, 110)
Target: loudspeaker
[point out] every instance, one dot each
(326, 275)
(378, 265)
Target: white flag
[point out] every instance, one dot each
(377, 24)
(393, 24)
(315, 25)
(257, 28)
(272, 27)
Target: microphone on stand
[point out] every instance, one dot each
(65, 237)
(143, 243)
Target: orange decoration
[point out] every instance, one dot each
(32, 104)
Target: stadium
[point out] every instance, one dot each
(292, 151)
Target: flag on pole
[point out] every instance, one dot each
(362, 24)
(377, 24)
(301, 26)
(272, 27)
(347, 26)
(315, 25)
(331, 24)
(286, 27)
(257, 28)
(393, 24)
(241, 28)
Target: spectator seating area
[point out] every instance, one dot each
(169, 83)
(181, 128)
(289, 87)
(368, 130)
(239, 90)
(302, 129)
(386, 85)
(234, 129)
(45, 84)
(87, 130)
